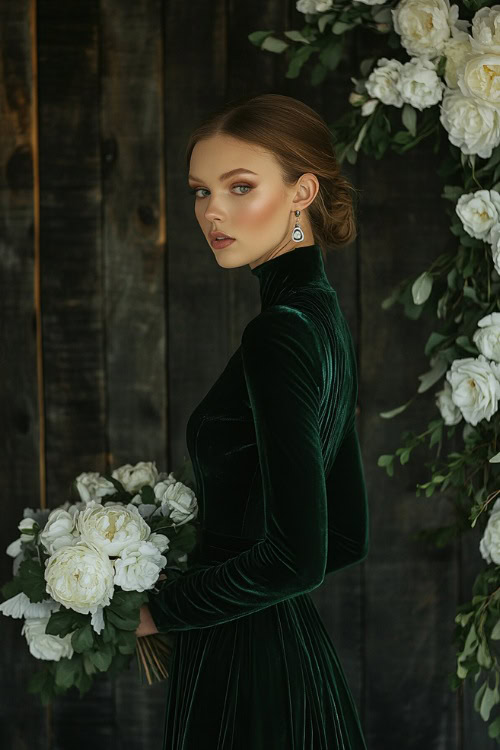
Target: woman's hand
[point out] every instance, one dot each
(147, 625)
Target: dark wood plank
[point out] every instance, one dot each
(20, 470)
(410, 588)
(72, 294)
(134, 243)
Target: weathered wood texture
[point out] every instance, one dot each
(115, 320)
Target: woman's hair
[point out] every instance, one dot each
(301, 142)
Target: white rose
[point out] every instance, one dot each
(419, 84)
(450, 413)
(489, 546)
(494, 239)
(93, 486)
(138, 566)
(476, 78)
(21, 605)
(424, 25)
(112, 527)
(471, 125)
(479, 212)
(178, 502)
(313, 6)
(42, 645)
(486, 30)
(456, 50)
(475, 384)
(134, 477)
(487, 336)
(383, 82)
(59, 531)
(80, 577)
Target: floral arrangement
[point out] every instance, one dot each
(81, 570)
(437, 76)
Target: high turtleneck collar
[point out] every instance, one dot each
(288, 271)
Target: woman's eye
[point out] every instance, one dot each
(193, 191)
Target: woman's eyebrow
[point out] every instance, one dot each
(225, 175)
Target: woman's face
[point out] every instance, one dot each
(252, 205)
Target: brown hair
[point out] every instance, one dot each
(301, 142)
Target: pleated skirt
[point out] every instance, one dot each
(271, 680)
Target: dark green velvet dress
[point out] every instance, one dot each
(282, 503)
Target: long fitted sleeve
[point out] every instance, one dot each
(282, 361)
(348, 515)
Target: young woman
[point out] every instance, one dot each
(276, 458)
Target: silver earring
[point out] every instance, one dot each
(297, 233)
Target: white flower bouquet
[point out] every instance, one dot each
(81, 570)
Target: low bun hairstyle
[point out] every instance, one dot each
(301, 142)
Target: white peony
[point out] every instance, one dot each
(138, 566)
(475, 384)
(450, 413)
(313, 6)
(478, 79)
(425, 25)
(59, 531)
(383, 82)
(80, 577)
(479, 212)
(112, 527)
(456, 50)
(21, 605)
(134, 477)
(93, 486)
(42, 645)
(494, 239)
(487, 336)
(178, 502)
(486, 30)
(472, 126)
(419, 83)
(161, 541)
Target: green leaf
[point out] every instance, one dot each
(494, 728)
(257, 37)
(409, 118)
(129, 622)
(296, 36)
(324, 19)
(495, 633)
(64, 622)
(394, 412)
(102, 658)
(66, 672)
(340, 27)
(490, 699)
(297, 60)
(127, 641)
(330, 56)
(31, 575)
(272, 44)
(83, 638)
(421, 288)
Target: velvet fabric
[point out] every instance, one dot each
(282, 503)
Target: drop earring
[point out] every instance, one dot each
(297, 233)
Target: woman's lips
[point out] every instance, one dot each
(218, 244)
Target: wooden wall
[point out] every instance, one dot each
(115, 320)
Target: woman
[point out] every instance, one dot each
(275, 452)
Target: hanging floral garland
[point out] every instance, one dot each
(449, 87)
